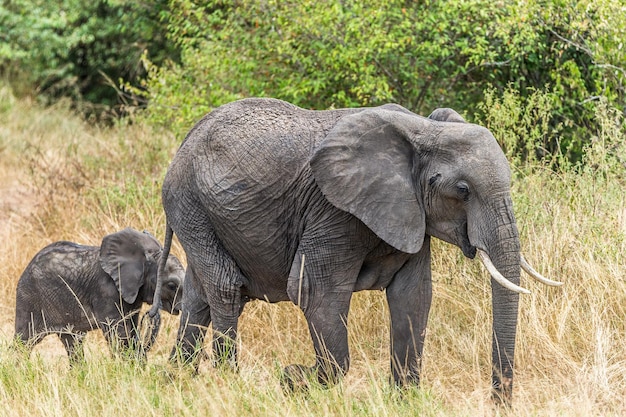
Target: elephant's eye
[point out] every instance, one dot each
(172, 286)
(463, 190)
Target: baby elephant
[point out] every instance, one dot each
(70, 289)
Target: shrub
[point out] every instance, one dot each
(81, 49)
(421, 55)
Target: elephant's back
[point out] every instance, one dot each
(253, 146)
(66, 261)
(263, 140)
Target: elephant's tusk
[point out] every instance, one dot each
(531, 271)
(498, 276)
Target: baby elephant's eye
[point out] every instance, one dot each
(463, 190)
(172, 286)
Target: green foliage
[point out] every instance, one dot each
(320, 54)
(81, 49)
(605, 154)
(423, 55)
(523, 125)
(570, 52)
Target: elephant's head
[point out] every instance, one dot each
(172, 286)
(406, 176)
(131, 258)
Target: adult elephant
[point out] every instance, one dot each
(274, 202)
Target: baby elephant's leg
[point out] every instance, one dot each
(29, 329)
(73, 343)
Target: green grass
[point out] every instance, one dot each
(79, 182)
(106, 386)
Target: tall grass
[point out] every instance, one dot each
(62, 178)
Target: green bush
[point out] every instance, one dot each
(559, 57)
(320, 54)
(81, 49)
(568, 51)
(422, 55)
(525, 126)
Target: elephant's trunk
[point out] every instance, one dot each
(505, 311)
(501, 255)
(503, 260)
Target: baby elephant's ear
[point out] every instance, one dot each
(123, 255)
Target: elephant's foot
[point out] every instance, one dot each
(132, 354)
(502, 391)
(128, 349)
(185, 355)
(298, 378)
(225, 353)
(406, 378)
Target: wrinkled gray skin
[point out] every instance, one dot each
(70, 289)
(260, 184)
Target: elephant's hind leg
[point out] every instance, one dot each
(195, 319)
(216, 296)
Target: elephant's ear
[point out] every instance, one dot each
(365, 166)
(124, 256)
(445, 114)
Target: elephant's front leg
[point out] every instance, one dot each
(329, 332)
(122, 335)
(327, 325)
(409, 297)
(333, 257)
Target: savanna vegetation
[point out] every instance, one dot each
(547, 77)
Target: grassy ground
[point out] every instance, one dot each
(61, 178)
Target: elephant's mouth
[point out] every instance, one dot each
(468, 249)
(172, 309)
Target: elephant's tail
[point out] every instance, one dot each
(154, 314)
(167, 246)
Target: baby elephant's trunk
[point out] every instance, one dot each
(149, 329)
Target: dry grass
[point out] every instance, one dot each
(61, 178)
